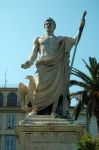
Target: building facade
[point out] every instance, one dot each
(10, 114)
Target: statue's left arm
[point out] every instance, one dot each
(79, 33)
(75, 40)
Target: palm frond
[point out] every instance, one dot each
(89, 96)
(79, 83)
(88, 67)
(81, 75)
(76, 94)
(93, 62)
(95, 67)
(92, 68)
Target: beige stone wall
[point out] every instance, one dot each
(4, 112)
(6, 131)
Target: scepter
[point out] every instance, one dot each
(81, 27)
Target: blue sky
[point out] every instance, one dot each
(22, 20)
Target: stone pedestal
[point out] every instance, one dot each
(48, 133)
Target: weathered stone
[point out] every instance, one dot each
(48, 133)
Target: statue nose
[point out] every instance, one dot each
(48, 25)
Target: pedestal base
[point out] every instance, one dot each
(48, 133)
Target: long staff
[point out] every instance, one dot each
(81, 27)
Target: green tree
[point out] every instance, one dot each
(89, 95)
(88, 143)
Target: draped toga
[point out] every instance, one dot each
(52, 76)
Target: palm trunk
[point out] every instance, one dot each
(96, 109)
(98, 126)
(87, 123)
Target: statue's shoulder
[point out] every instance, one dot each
(41, 37)
(60, 38)
(36, 40)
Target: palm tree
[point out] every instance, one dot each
(90, 90)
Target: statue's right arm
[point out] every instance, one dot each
(32, 56)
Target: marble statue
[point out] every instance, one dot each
(52, 67)
(26, 92)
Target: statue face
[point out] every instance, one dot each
(49, 26)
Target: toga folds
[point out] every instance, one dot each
(52, 75)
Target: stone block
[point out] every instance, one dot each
(48, 133)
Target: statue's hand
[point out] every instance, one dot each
(82, 23)
(25, 65)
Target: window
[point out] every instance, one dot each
(11, 121)
(1, 99)
(12, 99)
(10, 142)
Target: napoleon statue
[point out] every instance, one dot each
(52, 70)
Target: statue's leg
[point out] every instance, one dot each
(32, 113)
(24, 106)
(60, 106)
(54, 107)
(66, 106)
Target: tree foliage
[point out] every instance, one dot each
(89, 95)
(88, 143)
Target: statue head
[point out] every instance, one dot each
(50, 20)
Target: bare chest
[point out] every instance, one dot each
(49, 45)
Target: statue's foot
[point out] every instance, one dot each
(24, 108)
(68, 115)
(53, 114)
(31, 114)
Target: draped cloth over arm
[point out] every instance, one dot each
(52, 76)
